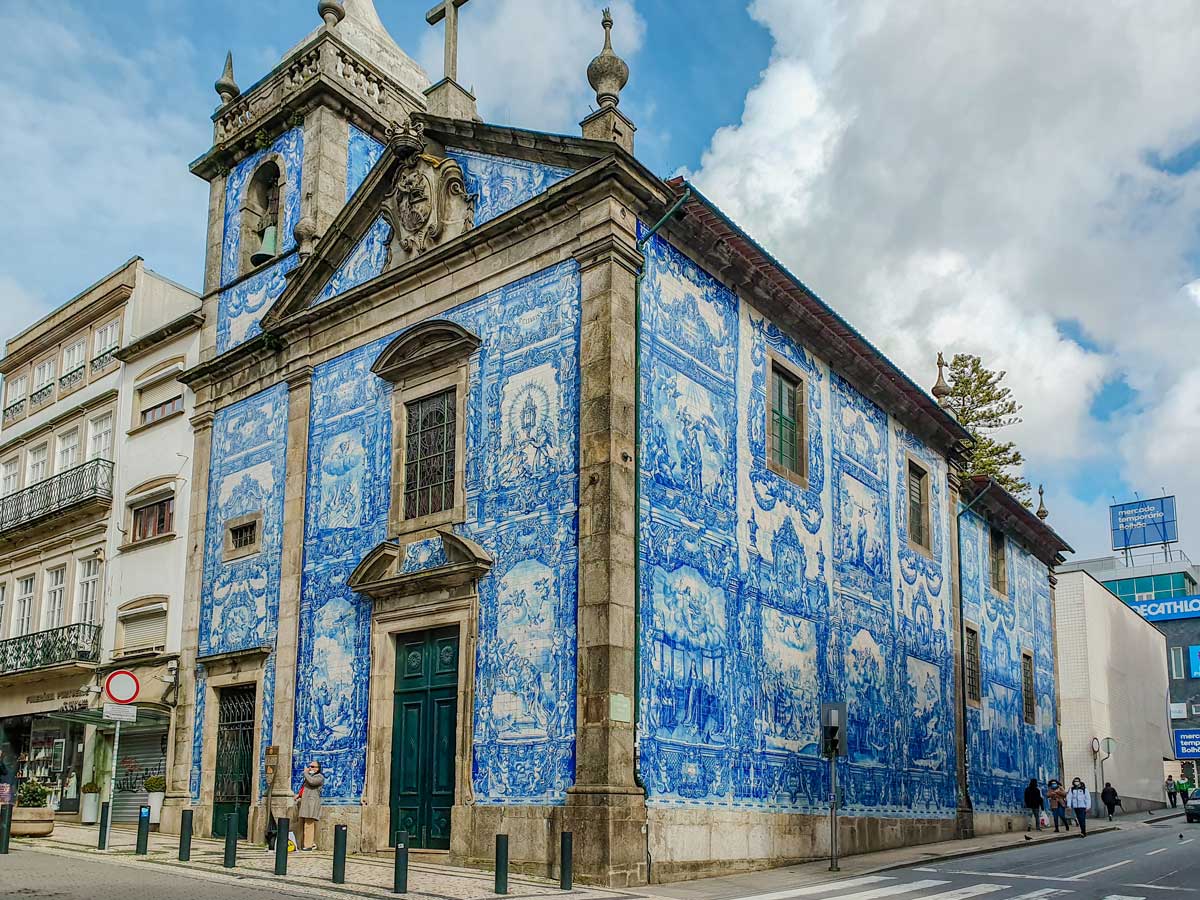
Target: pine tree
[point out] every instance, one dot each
(983, 406)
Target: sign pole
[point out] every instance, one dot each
(112, 780)
(833, 804)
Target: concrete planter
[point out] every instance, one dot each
(32, 822)
(89, 809)
(154, 799)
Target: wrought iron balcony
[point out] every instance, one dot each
(77, 488)
(72, 379)
(104, 360)
(42, 394)
(78, 643)
(13, 410)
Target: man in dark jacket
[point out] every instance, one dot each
(1033, 803)
(1110, 799)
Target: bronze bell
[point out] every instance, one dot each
(267, 249)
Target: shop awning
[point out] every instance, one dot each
(148, 719)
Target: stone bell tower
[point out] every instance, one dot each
(288, 152)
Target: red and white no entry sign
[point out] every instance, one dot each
(122, 686)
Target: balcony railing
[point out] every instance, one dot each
(13, 410)
(55, 647)
(72, 379)
(42, 394)
(91, 481)
(104, 360)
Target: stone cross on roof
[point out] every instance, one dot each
(448, 10)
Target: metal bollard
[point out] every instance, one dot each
(502, 864)
(5, 826)
(281, 846)
(565, 850)
(231, 836)
(102, 844)
(400, 874)
(143, 832)
(185, 836)
(339, 854)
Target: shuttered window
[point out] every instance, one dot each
(143, 631)
(918, 506)
(159, 400)
(996, 562)
(971, 665)
(788, 448)
(1028, 695)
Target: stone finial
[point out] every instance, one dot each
(331, 12)
(607, 73)
(941, 390)
(305, 234)
(1042, 512)
(225, 86)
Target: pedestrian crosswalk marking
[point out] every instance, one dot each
(1044, 892)
(1159, 850)
(891, 890)
(1122, 897)
(1083, 875)
(973, 890)
(820, 888)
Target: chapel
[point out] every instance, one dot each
(532, 495)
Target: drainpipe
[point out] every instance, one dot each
(637, 501)
(962, 632)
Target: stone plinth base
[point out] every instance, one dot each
(533, 837)
(690, 843)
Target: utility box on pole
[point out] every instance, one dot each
(833, 745)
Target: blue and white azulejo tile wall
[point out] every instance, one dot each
(500, 183)
(1003, 750)
(521, 495)
(763, 597)
(362, 152)
(239, 598)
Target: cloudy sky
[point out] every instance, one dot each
(1008, 178)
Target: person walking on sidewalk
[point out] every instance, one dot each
(1057, 795)
(1171, 789)
(1110, 799)
(1033, 803)
(309, 800)
(1080, 801)
(1184, 786)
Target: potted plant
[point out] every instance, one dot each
(156, 790)
(32, 817)
(89, 806)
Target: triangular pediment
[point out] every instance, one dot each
(397, 569)
(437, 180)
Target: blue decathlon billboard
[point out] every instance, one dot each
(1187, 743)
(1169, 608)
(1143, 522)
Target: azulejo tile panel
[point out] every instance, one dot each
(1003, 750)
(362, 152)
(762, 596)
(521, 488)
(241, 307)
(239, 599)
(365, 261)
(500, 183)
(287, 151)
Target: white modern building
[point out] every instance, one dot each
(1113, 693)
(95, 458)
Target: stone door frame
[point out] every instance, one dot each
(417, 613)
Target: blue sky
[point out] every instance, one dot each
(949, 176)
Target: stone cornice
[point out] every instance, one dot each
(69, 326)
(326, 71)
(147, 342)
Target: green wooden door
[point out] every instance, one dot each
(423, 748)
(235, 757)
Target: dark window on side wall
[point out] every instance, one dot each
(996, 561)
(788, 445)
(918, 506)
(153, 519)
(1028, 696)
(971, 665)
(242, 536)
(429, 455)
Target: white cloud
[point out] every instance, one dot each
(965, 177)
(527, 59)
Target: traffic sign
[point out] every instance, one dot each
(122, 686)
(120, 712)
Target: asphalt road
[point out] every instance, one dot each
(1146, 863)
(27, 872)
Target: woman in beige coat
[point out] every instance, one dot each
(309, 800)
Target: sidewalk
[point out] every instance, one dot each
(366, 876)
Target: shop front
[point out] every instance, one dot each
(35, 745)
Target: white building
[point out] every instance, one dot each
(1112, 684)
(95, 457)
